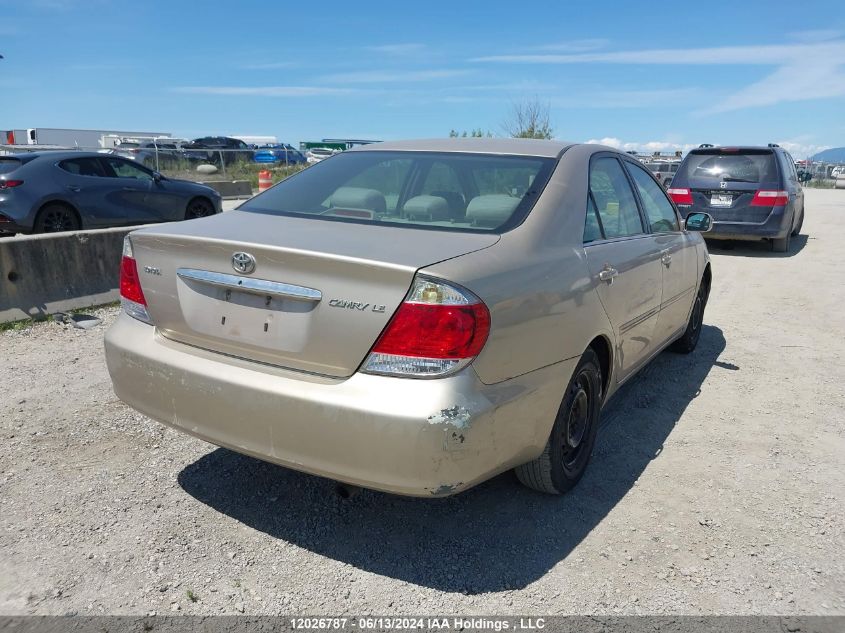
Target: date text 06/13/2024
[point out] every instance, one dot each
(412, 623)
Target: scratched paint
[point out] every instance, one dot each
(456, 416)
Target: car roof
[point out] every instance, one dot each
(514, 146)
(60, 154)
(732, 148)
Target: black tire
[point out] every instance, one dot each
(687, 343)
(56, 217)
(797, 230)
(781, 244)
(564, 460)
(199, 208)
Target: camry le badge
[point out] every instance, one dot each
(243, 262)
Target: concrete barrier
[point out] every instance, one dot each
(43, 274)
(231, 188)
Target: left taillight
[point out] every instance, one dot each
(8, 184)
(131, 295)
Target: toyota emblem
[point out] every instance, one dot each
(243, 262)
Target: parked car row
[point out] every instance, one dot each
(215, 150)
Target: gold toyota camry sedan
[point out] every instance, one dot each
(414, 317)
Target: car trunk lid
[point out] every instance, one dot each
(319, 296)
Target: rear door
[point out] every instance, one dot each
(723, 181)
(131, 192)
(83, 182)
(623, 261)
(677, 254)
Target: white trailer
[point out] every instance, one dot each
(66, 137)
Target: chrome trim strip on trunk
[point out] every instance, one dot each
(255, 286)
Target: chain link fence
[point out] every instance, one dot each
(190, 162)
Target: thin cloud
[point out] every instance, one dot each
(625, 98)
(390, 76)
(816, 35)
(269, 65)
(732, 55)
(576, 46)
(265, 91)
(794, 80)
(410, 48)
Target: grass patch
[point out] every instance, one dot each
(191, 596)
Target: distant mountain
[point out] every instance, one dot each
(832, 155)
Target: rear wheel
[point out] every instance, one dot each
(797, 230)
(198, 208)
(781, 244)
(568, 449)
(687, 343)
(54, 218)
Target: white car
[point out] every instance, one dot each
(316, 154)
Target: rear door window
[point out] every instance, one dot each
(83, 167)
(659, 211)
(614, 199)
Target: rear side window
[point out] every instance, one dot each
(754, 166)
(83, 167)
(659, 211)
(614, 199)
(9, 164)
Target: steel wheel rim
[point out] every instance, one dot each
(578, 421)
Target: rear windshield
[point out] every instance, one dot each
(444, 191)
(753, 166)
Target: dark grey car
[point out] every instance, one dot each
(752, 193)
(45, 192)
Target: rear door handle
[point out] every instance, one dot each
(608, 273)
(666, 258)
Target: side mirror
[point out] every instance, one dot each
(699, 222)
(157, 176)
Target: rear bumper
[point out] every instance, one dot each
(776, 225)
(405, 436)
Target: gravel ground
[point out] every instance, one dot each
(716, 486)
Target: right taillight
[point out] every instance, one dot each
(437, 330)
(767, 198)
(680, 196)
(8, 184)
(131, 295)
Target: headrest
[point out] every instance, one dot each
(492, 210)
(426, 208)
(358, 198)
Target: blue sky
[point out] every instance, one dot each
(659, 75)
